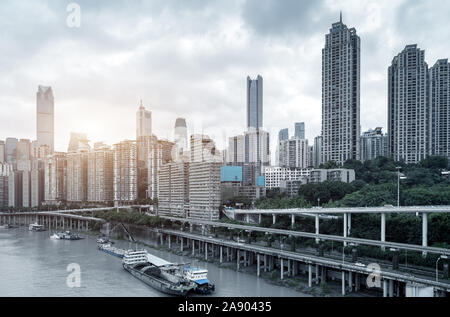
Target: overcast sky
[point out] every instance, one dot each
(190, 58)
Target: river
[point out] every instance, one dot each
(31, 264)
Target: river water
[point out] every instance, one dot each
(31, 264)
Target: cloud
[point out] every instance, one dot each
(191, 59)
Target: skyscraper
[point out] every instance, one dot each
(2, 151)
(341, 94)
(100, 174)
(408, 106)
(143, 122)
(300, 130)
(294, 153)
(55, 171)
(181, 135)
(78, 141)
(45, 117)
(440, 108)
(283, 135)
(11, 150)
(254, 103)
(317, 156)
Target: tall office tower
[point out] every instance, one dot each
(77, 175)
(5, 171)
(203, 149)
(125, 172)
(11, 150)
(317, 151)
(372, 144)
(236, 150)
(45, 106)
(15, 189)
(180, 135)
(254, 103)
(300, 130)
(37, 180)
(284, 134)
(78, 142)
(310, 161)
(440, 108)
(23, 149)
(204, 190)
(173, 193)
(2, 151)
(143, 122)
(55, 178)
(341, 59)
(100, 174)
(408, 106)
(294, 153)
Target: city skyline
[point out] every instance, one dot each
(78, 103)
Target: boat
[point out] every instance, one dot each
(67, 235)
(104, 240)
(36, 227)
(200, 277)
(106, 247)
(166, 278)
(6, 226)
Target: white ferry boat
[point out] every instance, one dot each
(200, 277)
(36, 227)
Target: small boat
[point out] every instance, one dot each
(6, 226)
(200, 277)
(104, 240)
(36, 227)
(65, 236)
(107, 248)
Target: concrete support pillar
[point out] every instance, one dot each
(292, 221)
(317, 227)
(274, 218)
(391, 288)
(247, 218)
(265, 262)
(295, 268)
(309, 275)
(343, 283)
(317, 274)
(245, 259)
(238, 258)
(221, 259)
(383, 229)
(424, 232)
(259, 219)
(289, 272)
(349, 224)
(206, 251)
(258, 265)
(345, 228)
(357, 282)
(168, 240)
(282, 268)
(191, 228)
(385, 288)
(182, 244)
(350, 281)
(193, 247)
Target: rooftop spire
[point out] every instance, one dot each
(340, 16)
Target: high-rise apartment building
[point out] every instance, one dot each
(439, 76)
(100, 174)
(2, 151)
(77, 176)
(45, 117)
(173, 186)
(283, 135)
(11, 150)
(203, 149)
(341, 64)
(372, 144)
(55, 178)
(294, 153)
(125, 172)
(23, 149)
(254, 103)
(408, 106)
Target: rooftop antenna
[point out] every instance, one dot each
(340, 16)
